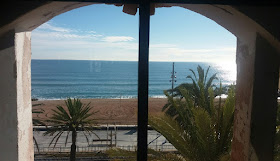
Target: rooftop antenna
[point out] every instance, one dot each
(173, 77)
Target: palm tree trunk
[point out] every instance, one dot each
(73, 146)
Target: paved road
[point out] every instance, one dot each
(80, 159)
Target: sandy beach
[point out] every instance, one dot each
(111, 111)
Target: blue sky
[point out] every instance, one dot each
(104, 32)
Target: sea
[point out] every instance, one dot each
(60, 79)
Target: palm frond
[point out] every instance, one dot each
(205, 133)
(36, 144)
(210, 81)
(56, 136)
(193, 74)
(172, 132)
(67, 135)
(206, 74)
(37, 121)
(200, 72)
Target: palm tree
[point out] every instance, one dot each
(198, 134)
(77, 117)
(198, 89)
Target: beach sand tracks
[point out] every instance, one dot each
(121, 111)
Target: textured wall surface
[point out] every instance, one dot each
(245, 57)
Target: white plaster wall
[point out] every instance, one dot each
(24, 107)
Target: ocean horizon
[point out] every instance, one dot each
(60, 79)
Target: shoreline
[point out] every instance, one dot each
(109, 98)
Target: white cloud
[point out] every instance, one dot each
(92, 32)
(48, 26)
(117, 38)
(62, 35)
(49, 31)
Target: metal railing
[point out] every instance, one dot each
(87, 149)
(92, 158)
